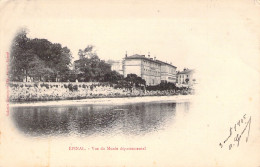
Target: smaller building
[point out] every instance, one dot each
(186, 77)
(116, 65)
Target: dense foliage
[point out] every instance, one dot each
(162, 86)
(37, 59)
(89, 67)
(40, 60)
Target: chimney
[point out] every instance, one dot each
(126, 54)
(149, 54)
(154, 58)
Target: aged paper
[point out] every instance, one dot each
(221, 127)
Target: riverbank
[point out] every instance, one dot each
(109, 101)
(53, 91)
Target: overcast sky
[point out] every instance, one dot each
(184, 33)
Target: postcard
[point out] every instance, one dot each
(130, 83)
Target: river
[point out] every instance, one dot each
(43, 133)
(96, 119)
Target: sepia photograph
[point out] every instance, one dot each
(130, 83)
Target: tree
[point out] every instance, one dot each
(63, 62)
(37, 58)
(187, 80)
(133, 79)
(38, 69)
(90, 66)
(87, 52)
(113, 77)
(18, 66)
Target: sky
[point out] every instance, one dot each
(184, 33)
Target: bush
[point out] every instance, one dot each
(70, 87)
(162, 86)
(75, 88)
(117, 86)
(46, 85)
(13, 85)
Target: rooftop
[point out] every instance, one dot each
(185, 71)
(137, 56)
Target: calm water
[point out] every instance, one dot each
(96, 119)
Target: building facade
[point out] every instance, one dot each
(168, 72)
(186, 77)
(116, 66)
(151, 70)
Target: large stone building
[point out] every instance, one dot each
(153, 71)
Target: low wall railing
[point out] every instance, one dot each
(59, 84)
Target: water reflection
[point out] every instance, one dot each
(85, 120)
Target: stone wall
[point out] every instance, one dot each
(47, 91)
(41, 91)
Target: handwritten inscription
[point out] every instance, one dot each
(7, 84)
(236, 132)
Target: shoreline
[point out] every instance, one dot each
(106, 101)
(22, 93)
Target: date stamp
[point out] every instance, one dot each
(236, 132)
